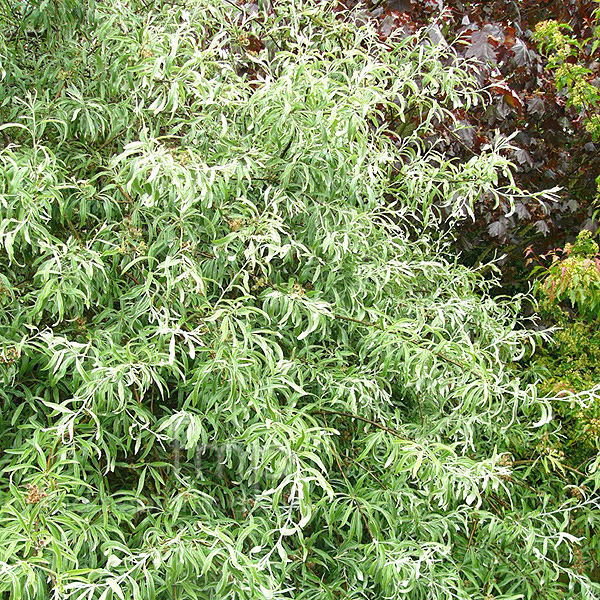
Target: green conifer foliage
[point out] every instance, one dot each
(238, 358)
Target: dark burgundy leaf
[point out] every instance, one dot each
(466, 133)
(535, 105)
(498, 228)
(399, 5)
(522, 55)
(521, 210)
(484, 43)
(503, 108)
(523, 157)
(542, 227)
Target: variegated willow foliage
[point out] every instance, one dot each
(238, 358)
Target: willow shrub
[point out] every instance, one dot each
(238, 358)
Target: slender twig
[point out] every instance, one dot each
(358, 417)
(500, 501)
(108, 141)
(124, 192)
(356, 502)
(132, 278)
(500, 552)
(72, 229)
(475, 521)
(362, 466)
(60, 89)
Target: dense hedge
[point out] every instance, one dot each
(239, 359)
